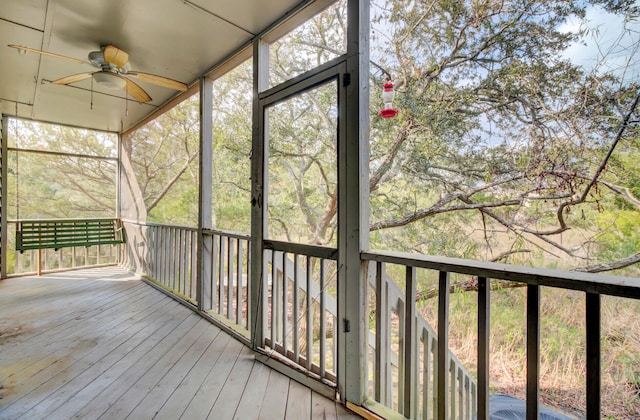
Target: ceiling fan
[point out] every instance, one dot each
(114, 66)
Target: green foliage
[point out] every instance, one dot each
(60, 186)
(499, 134)
(164, 155)
(232, 149)
(620, 236)
(302, 167)
(315, 42)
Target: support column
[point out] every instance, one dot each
(122, 248)
(258, 195)
(353, 206)
(203, 274)
(3, 198)
(119, 177)
(131, 207)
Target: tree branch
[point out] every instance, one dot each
(170, 184)
(389, 157)
(603, 164)
(610, 265)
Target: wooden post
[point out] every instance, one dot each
(533, 351)
(3, 198)
(204, 191)
(410, 355)
(39, 267)
(443, 345)
(258, 195)
(353, 206)
(484, 309)
(593, 355)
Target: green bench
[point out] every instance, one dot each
(60, 233)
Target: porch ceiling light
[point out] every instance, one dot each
(109, 80)
(388, 94)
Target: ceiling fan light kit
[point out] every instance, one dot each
(109, 80)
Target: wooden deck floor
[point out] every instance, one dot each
(101, 344)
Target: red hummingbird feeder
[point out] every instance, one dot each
(388, 94)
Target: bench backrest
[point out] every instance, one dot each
(59, 233)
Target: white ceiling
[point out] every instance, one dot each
(179, 39)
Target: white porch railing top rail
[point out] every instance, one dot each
(227, 233)
(145, 223)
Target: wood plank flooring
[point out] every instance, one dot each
(101, 344)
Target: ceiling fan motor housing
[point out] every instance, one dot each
(97, 59)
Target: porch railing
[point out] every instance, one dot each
(301, 306)
(411, 371)
(165, 254)
(403, 354)
(226, 279)
(429, 386)
(302, 317)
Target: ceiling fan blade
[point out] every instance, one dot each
(159, 80)
(116, 56)
(136, 91)
(72, 79)
(63, 57)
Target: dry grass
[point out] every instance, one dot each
(562, 365)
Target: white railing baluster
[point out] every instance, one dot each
(180, 248)
(215, 278)
(194, 263)
(426, 372)
(239, 281)
(309, 317)
(323, 318)
(296, 308)
(230, 259)
(460, 379)
(221, 275)
(453, 391)
(274, 298)
(284, 310)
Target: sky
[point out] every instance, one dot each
(610, 43)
